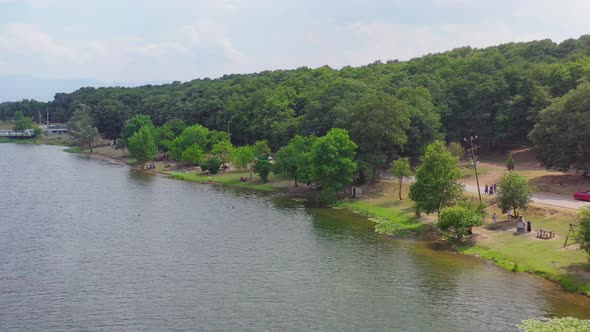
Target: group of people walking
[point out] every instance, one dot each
(490, 190)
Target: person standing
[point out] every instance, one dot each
(485, 190)
(491, 190)
(495, 217)
(495, 189)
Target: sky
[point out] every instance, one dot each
(49, 46)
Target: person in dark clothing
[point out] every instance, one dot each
(485, 189)
(528, 227)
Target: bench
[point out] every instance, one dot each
(545, 234)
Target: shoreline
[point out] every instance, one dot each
(422, 230)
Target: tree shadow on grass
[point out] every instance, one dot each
(501, 225)
(442, 244)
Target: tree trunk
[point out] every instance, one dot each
(514, 209)
(400, 187)
(295, 182)
(90, 146)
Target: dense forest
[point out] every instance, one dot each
(516, 93)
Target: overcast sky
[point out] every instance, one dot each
(48, 46)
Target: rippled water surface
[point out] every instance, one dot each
(89, 245)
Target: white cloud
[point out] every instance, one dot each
(155, 40)
(29, 38)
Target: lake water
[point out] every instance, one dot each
(89, 245)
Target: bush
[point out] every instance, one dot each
(211, 165)
(510, 163)
(456, 221)
(262, 167)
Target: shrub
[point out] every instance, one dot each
(211, 165)
(262, 167)
(456, 221)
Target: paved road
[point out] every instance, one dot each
(561, 201)
(546, 198)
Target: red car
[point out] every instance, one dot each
(583, 195)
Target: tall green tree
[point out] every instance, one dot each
(401, 168)
(332, 160)
(193, 135)
(514, 192)
(133, 125)
(22, 122)
(560, 135)
(81, 129)
(378, 126)
(261, 148)
(425, 123)
(223, 150)
(193, 155)
(437, 180)
(176, 126)
(262, 167)
(142, 146)
(291, 161)
(243, 158)
(109, 118)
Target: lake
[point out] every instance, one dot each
(86, 244)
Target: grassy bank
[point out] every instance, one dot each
(392, 216)
(232, 179)
(546, 258)
(569, 267)
(61, 140)
(388, 220)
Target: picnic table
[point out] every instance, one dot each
(545, 234)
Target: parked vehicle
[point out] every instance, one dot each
(583, 195)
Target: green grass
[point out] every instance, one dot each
(389, 220)
(73, 149)
(232, 179)
(544, 258)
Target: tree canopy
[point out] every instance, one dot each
(514, 192)
(437, 180)
(81, 129)
(332, 160)
(141, 144)
(456, 221)
(391, 109)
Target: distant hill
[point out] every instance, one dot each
(495, 93)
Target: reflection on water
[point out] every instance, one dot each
(87, 245)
